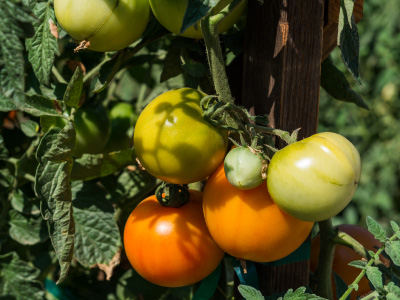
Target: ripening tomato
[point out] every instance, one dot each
(174, 142)
(315, 178)
(243, 168)
(108, 25)
(247, 224)
(171, 246)
(344, 255)
(170, 14)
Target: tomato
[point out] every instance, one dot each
(171, 246)
(315, 178)
(243, 168)
(108, 25)
(247, 224)
(123, 118)
(174, 142)
(170, 14)
(344, 255)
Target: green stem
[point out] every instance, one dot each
(325, 259)
(215, 58)
(58, 76)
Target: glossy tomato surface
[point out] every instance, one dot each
(243, 168)
(170, 14)
(315, 178)
(171, 246)
(108, 25)
(247, 224)
(173, 141)
(344, 255)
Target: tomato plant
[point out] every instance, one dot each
(243, 168)
(171, 246)
(315, 178)
(247, 224)
(114, 26)
(170, 14)
(343, 255)
(173, 141)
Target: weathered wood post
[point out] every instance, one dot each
(286, 40)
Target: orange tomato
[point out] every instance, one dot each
(247, 224)
(344, 255)
(171, 246)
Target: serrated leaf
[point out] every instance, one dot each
(43, 46)
(14, 21)
(300, 294)
(393, 250)
(250, 293)
(23, 204)
(195, 11)
(38, 106)
(341, 286)
(395, 226)
(3, 149)
(360, 264)
(73, 92)
(394, 291)
(334, 82)
(376, 229)
(375, 277)
(97, 238)
(30, 128)
(6, 104)
(91, 166)
(348, 38)
(18, 279)
(27, 229)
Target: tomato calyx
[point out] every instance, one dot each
(172, 195)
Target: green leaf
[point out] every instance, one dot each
(13, 20)
(73, 92)
(6, 104)
(250, 293)
(91, 166)
(300, 294)
(27, 230)
(37, 106)
(52, 186)
(394, 291)
(375, 277)
(172, 63)
(360, 264)
(348, 38)
(43, 45)
(108, 71)
(29, 128)
(97, 238)
(393, 250)
(194, 69)
(18, 279)
(23, 204)
(3, 149)
(334, 82)
(376, 229)
(195, 11)
(395, 226)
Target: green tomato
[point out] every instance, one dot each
(243, 168)
(108, 25)
(315, 178)
(174, 142)
(123, 118)
(170, 14)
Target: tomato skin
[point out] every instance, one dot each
(107, 28)
(315, 178)
(344, 255)
(171, 246)
(173, 141)
(247, 224)
(243, 168)
(170, 14)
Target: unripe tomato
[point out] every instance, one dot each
(123, 118)
(315, 178)
(173, 141)
(243, 168)
(247, 224)
(170, 14)
(108, 25)
(171, 246)
(344, 255)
